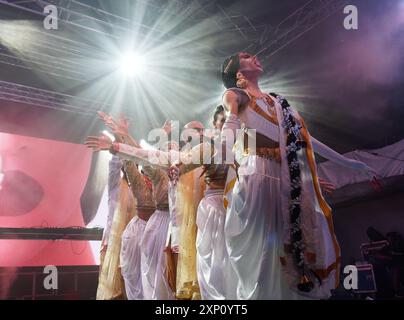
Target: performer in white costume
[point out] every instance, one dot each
(130, 256)
(110, 284)
(190, 196)
(130, 253)
(114, 177)
(215, 273)
(153, 260)
(214, 270)
(279, 231)
(154, 265)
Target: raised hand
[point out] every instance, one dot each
(120, 127)
(123, 126)
(370, 172)
(106, 118)
(326, 187)
(167, 126)
(100, 143)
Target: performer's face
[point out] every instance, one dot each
(249, 64)
(220, 119)
(193, 136)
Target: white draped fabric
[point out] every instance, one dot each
(130, 258)
(215, 273)
(387, 162)
(258, 226)
(174, 223)
(114, 177)
(153, 260)
(254, 232)
(318, 234)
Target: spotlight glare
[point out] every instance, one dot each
(108, 134)
(132, 64)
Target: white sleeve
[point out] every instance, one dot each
(142, 156)
(114, 177)
(332, 155)
(229, 131)
(329, 154)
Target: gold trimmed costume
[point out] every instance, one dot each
(190, 193)
(130, 255)
(111, 284)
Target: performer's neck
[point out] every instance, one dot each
(253, 87)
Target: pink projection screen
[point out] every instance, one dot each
(42, 181)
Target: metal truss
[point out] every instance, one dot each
(267, 39)
(38, 61)
(273, 39)
(47, 99)
(57, 55)
(78, 14)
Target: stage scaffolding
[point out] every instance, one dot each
(59, 56)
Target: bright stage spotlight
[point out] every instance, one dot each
(132, 64)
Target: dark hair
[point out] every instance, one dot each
(230, 68)
(219, 109)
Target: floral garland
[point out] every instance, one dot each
(293, 145)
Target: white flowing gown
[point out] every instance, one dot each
(130, 258)
(153, 260)
(257, 227)
(254, 231)
(215, 273)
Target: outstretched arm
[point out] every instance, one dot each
(332, 155)
(197, 155)
(329, 154)
(125, 151)
(141, 156)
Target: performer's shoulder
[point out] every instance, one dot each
(235, 94)
(236, 91)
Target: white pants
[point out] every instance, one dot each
(153, 260)
(215, 273)
(253, 232)
(130, 258)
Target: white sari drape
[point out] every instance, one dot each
(153, 260)
(257, 227)
(215, 273)
(130, 258)
(254, 232)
